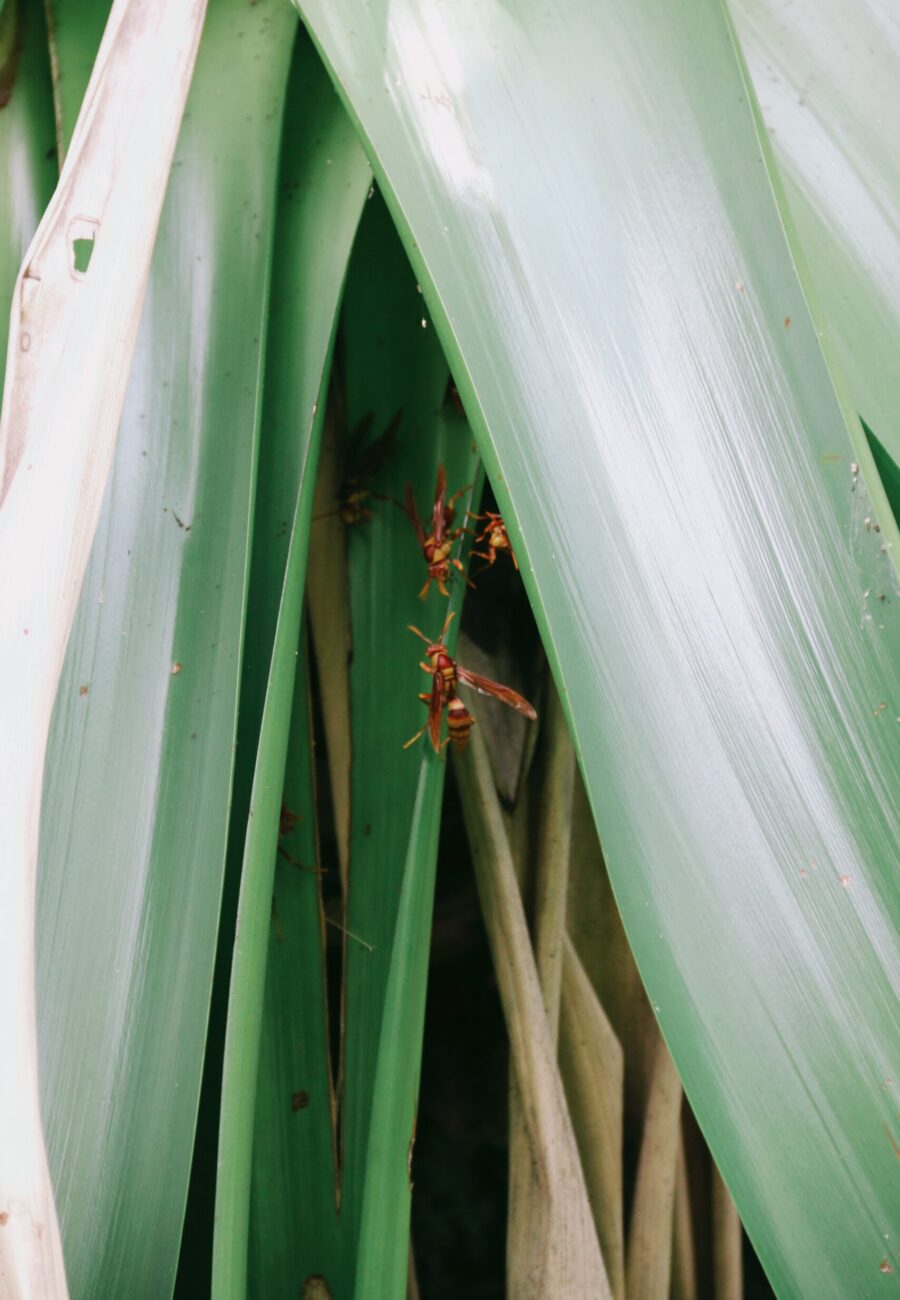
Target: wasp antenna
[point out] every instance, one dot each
(447, 621)
(410, 628)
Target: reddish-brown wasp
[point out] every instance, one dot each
(446, 675)
(497, 538)
(363, 461)
(437, 545)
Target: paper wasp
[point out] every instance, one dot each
(361, 465)
(497, 539)
(446, 675)
(436, 545)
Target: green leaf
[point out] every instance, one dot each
(592, 221)
(323, 184)
(828, 80)
(888, 469)
(140, 765)
(390, 359)
(294, 1227)
(248, 970)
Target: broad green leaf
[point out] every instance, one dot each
(140, 765)
(323, 184)
(73, 329)
(591, 217)
(828, 80)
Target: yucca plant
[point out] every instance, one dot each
(552, 248)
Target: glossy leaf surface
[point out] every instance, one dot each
(323, 183)
(585, 201)
(828, 80)
(139, 774)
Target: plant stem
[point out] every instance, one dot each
(564, 1253)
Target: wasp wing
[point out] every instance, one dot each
(435, 710)
(502, 693)
(379, 451)
(439, 520)
(409, 505)
(356, 441)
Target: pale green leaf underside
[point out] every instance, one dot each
(139, 772)
(583, 196)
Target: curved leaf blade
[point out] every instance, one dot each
(323, 184)
(132, 849)
(828, 80)
(622, 314)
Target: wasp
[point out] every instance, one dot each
(362, 463)
(437, 545)
(446, 675)
(497, 538)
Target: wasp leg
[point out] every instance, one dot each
(412, 740)
(456, 495)
(424, 592)
(314, 871)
